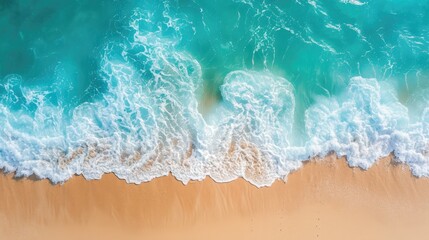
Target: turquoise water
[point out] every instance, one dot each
(221, 88)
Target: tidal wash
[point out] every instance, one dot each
(216, 88)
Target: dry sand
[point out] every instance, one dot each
(323, 200)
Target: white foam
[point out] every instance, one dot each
(365, 124)
(147, 123)
(252, 127)
(354, 2)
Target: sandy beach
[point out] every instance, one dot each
(325, 199)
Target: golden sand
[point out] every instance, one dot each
(323, 200)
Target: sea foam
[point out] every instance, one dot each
(145, 122)
(146, 128)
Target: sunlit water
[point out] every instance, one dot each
(221, 88)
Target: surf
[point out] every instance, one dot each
(284, 90)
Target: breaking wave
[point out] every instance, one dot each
(144, 118)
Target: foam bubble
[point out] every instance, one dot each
(360, 124)
(253, 125)
(367, 123)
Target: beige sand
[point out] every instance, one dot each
(324, 200)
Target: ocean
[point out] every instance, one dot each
(219, 88)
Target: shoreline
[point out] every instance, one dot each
(324, 199)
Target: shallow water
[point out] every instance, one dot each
(221, 88)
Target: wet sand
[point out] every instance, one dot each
(325, 199)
